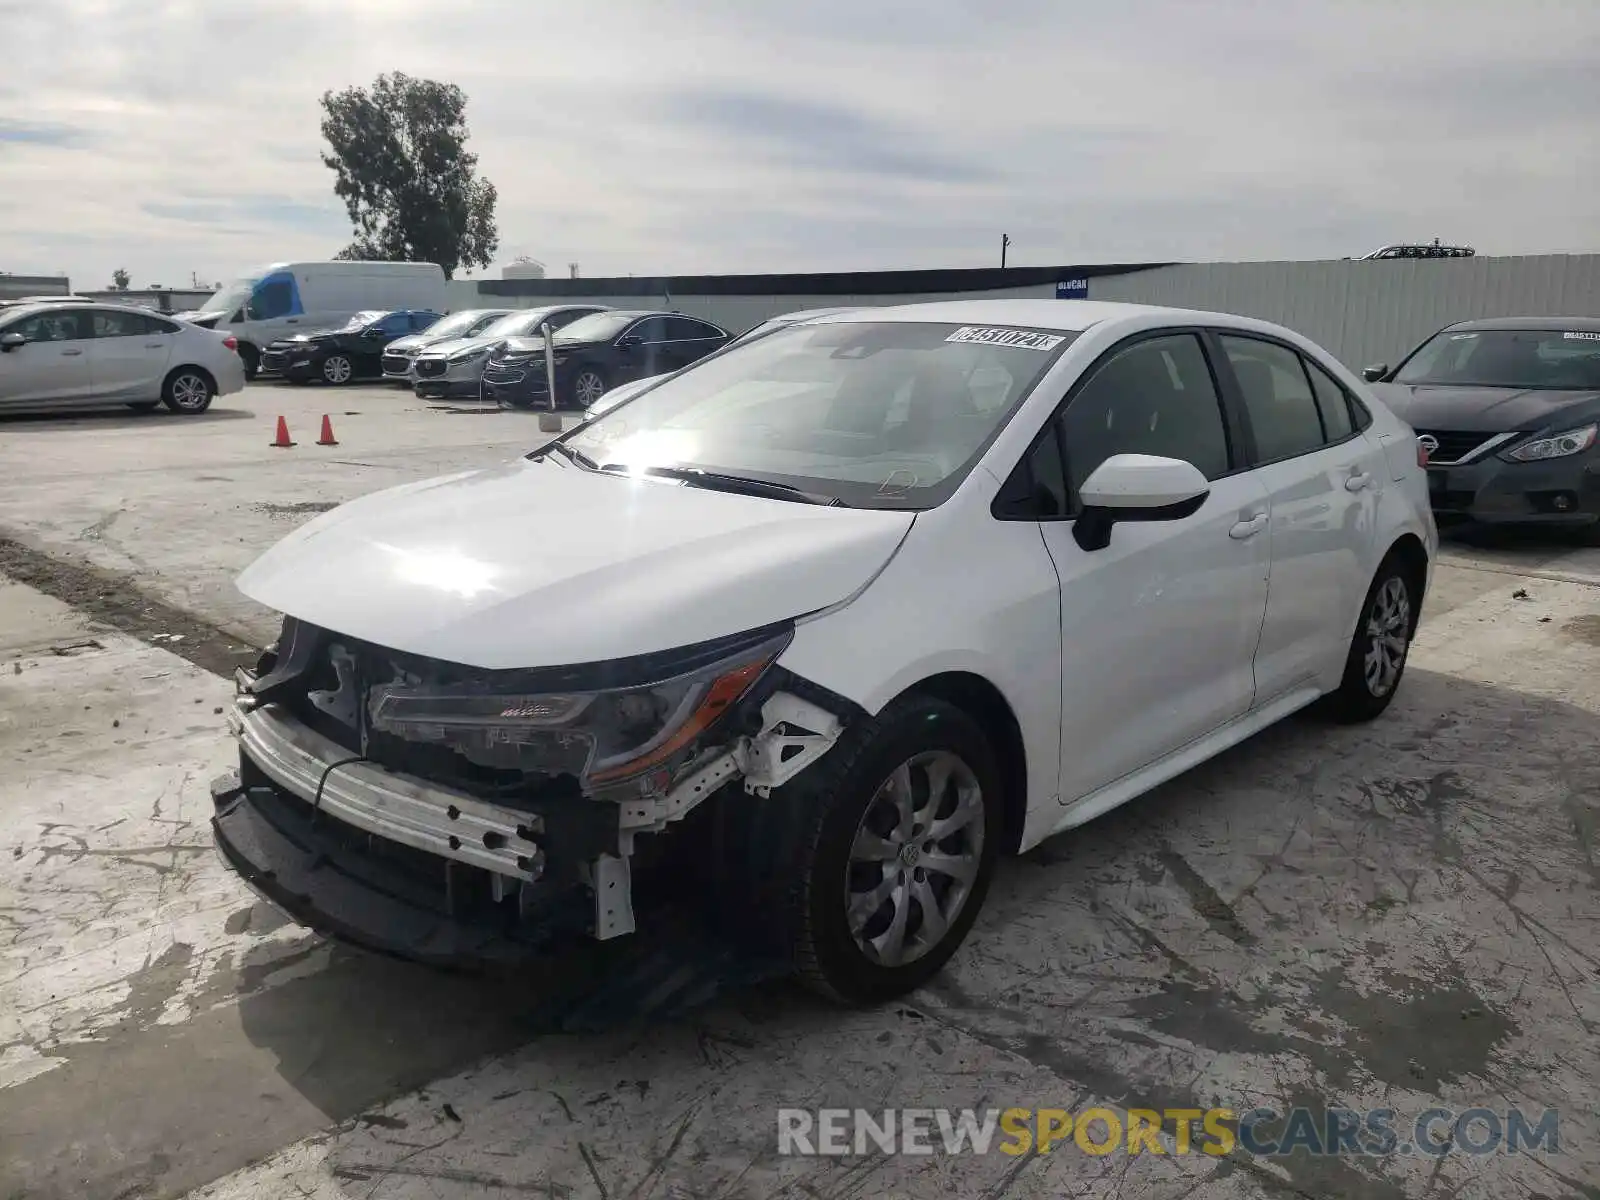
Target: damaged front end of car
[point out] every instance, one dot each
(463, 816)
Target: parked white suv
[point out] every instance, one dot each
(66, 355)
(843, 615)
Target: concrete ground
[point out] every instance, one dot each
(1399, 915)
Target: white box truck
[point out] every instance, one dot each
(283, 299)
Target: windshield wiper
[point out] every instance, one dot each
(742, 484)
(576, 455)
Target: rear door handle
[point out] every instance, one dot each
(292, 321)
(70, 353)
(1357, 481)
(155, 345)
(1248, 528)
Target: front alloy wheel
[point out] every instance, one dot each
(588, 387)
(867, 870)
(914, 858)
(336, 369)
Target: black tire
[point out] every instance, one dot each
(188, 391)
(1363, 694)
(251, 357)
(575, 390)
(786, 859)
(144, 405)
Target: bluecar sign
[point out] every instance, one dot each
(1072, 289)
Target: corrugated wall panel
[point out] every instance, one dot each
(1363, 312)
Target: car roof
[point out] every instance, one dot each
(1572, 324)
(1064, 316)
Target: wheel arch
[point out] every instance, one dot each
(987, 705)
(190, 366)
(1409, 551)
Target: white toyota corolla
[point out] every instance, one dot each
(827, 623)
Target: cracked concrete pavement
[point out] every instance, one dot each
(1399, 915)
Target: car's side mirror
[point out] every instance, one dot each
(1136, 487)
(1375, 372)
(10, 341)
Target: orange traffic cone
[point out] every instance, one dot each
(282, 440)
(327, 438)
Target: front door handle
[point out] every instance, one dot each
(1248, 528)
(1357, 481)
(155, 345)
(292, 321)
(70, 353)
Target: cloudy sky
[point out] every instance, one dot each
(685, 136)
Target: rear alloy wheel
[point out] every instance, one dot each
(1377, 657)
(336, 369)
(588, 387)
(867, 870)
(188, 391)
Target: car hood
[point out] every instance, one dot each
(1479, 409)
(456, 345)
(534, 344)
(412, 341)
(625, 391)
(541, 563)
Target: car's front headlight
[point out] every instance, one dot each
(599, 737)
(1557, 445)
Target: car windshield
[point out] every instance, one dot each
(516, 324)
(875, 414)
(1539, 359)
(596, 327)
(231, 297)
(454, 325)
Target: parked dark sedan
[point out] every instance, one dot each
(595, 354)
(1508, 411)
(353, 351)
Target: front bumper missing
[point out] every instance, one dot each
(309, 824)
(398, 808)
(319, 876)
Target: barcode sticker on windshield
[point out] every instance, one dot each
(1582, 337)
(1024, 339)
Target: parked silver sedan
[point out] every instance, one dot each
(399, 355)
(449, 370)
(97, 354)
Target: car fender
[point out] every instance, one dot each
(964, 593)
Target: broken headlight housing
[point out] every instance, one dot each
(601, 737)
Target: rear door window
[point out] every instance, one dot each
(1277, 397)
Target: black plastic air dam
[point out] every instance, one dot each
(308, 871)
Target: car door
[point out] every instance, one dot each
(1159, 628)
(52, 365)
(692, 340)
(1323, 477)
(639, 350)
(127, 356)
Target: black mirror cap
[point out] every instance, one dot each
(1092, 529)
(1375, 373)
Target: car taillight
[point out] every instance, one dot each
(231, 342)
